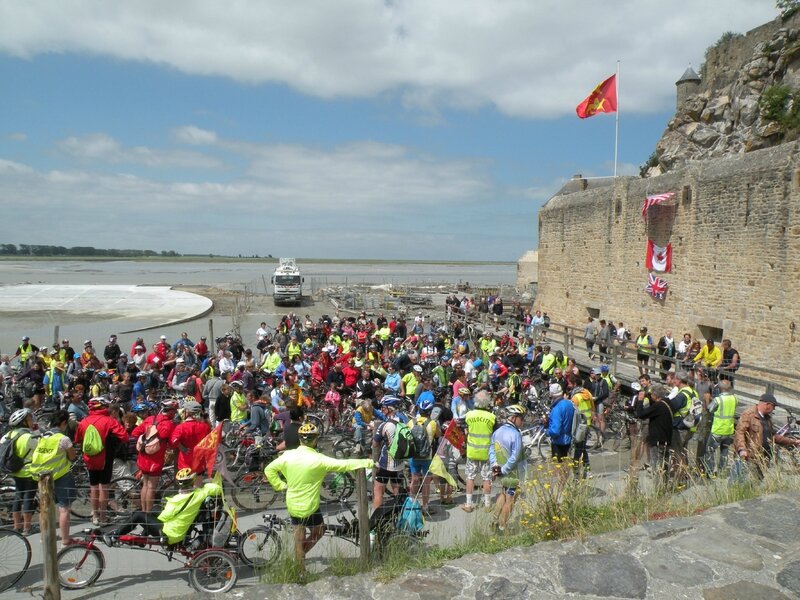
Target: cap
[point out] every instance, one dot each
(418, 369)
(555, 390)
(25, 338)
(636, 386)
(241, 363)
(237, 383)
(179, 361)
(596, 371)
(163, 337)
(139, 348)
(768, 398)
(87, 342)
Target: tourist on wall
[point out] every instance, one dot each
(666, 349)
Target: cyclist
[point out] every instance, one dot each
(507, 457)
(300, 472)
(480, 423)
(362, 420)
(25, 439)
(151, 457)
(101, 465)
(420, 467)
(188, 434)
(53, 454)
(388, 470)
(180, 512)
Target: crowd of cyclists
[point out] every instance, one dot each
(456, 394)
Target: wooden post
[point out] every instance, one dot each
(55, 335)
(212, 348)
(613, 349)
(48, 523)
(363, 515)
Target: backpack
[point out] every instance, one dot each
(148, 442)
(410, 519)
(9, 461)
(579, 426)
(692, 418)
(92, 441)
(422, 444)
(627, 334)
(402, 445)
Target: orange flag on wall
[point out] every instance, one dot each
(602, 100)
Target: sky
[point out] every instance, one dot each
(401, 129)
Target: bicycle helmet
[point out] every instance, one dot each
(284, 390)
(185, 477)
(604, 368)
(308, 433)
(425, 404)
(515, 410)
(390, 401)
(18, 417)
(140, 407)
(192, 407)
(478, 363)
(464, 391)
(102, 375)
(169, 404)
(96, 403)
(141, 374)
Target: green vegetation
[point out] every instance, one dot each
(652, 161)
(787, 7)
(554, 506)
(779, 104)
(724, 39)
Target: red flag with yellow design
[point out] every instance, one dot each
(205, 453)
(602, 100)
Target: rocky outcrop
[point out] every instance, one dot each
(725, 116)
(744, 551)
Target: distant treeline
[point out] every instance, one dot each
(36, 250)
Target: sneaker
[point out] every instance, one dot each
(109, 540)
(468, 507)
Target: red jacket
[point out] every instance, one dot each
(153, 464)
(185, 437)
(105, 426)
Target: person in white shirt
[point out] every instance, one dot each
(262, 331)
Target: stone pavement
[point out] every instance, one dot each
(742, 551)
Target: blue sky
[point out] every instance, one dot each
(348, 129)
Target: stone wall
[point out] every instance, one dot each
(735, 233)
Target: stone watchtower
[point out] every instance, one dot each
(687, 85)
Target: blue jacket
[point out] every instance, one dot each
(559, 426)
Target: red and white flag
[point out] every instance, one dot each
(656, 286)
(658, 258)
(653, 200)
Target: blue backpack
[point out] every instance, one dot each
(410, 520)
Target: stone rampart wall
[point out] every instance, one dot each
(735, 233)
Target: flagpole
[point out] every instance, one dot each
(616, 125)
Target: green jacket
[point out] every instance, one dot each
(303, 470)
(182, 509)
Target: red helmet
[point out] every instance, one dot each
(96, 403)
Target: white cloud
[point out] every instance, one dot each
(302, 200)
(194, 136)
(527, 58)
(17, 136)
(101, 147)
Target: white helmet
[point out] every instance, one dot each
(18, 416)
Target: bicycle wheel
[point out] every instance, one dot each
(593, 438)
(259, 546)
(16, 553)
(543, 448)
(79, 566)
(81, 507)
(319, 422)
(213, 572)
(344, 448)
(399, 543)
(252, 491)
(6, 501)
(124, 496)
(337, 487)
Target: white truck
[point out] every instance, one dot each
(287, 283)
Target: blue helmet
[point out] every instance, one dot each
(425, 401)
(604, 368)
(390, 401)
(477, 363)
(140, 407)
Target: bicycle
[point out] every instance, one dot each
(16, 552)
(211, 570)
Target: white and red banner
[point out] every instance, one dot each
(653, 200)
(658, 258)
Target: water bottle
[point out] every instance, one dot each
(371, 540)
